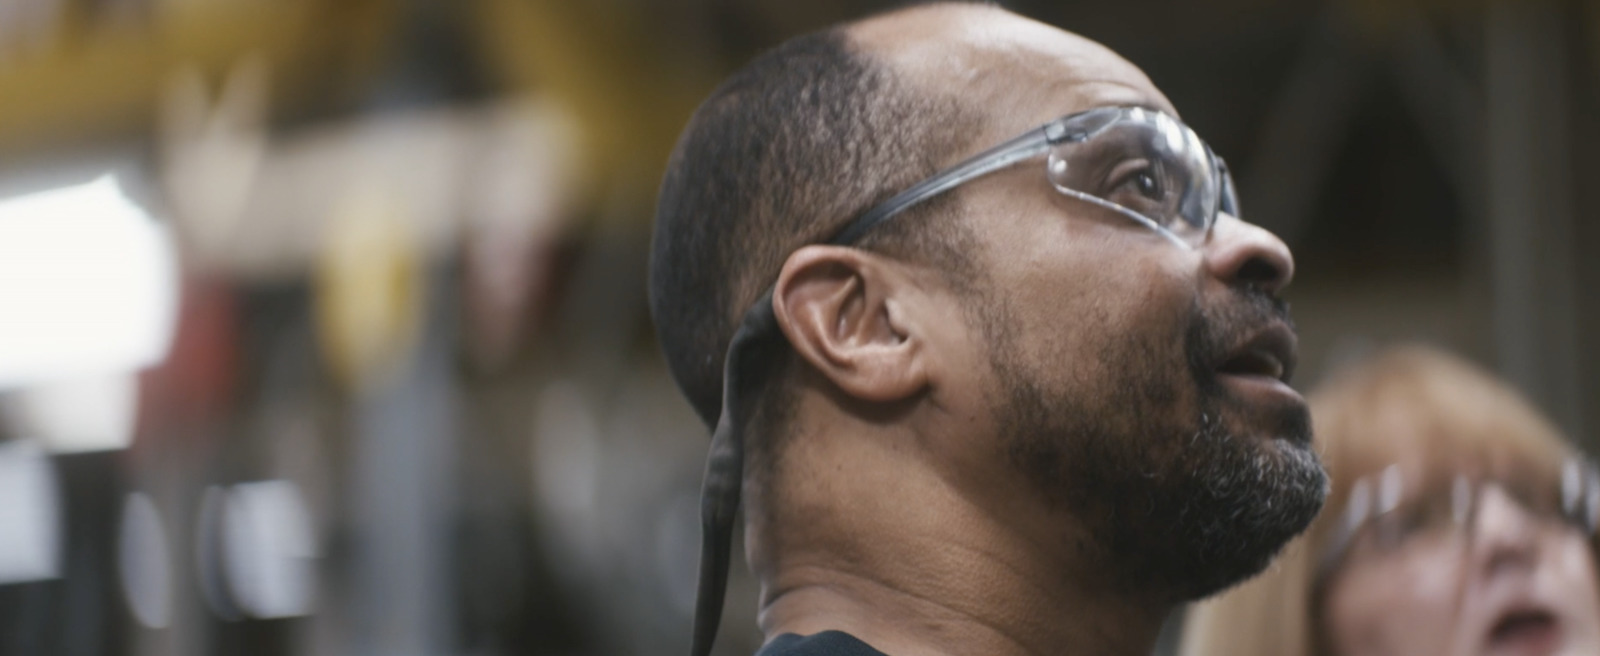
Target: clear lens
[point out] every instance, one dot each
(1447, 511)
(1229, 203)
(1146, 165)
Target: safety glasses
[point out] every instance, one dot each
(1135, 162)
(1387, 513)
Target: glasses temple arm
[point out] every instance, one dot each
(1027, 146)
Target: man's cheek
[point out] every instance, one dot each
(1067, 342)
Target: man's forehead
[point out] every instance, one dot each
(1029, 71)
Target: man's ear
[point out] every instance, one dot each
(845, 311)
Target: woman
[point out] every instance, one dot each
(1459, 523)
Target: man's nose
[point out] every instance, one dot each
(1240, 253)
(1504, 533)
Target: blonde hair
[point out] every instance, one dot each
(1413, 405)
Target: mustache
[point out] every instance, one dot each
(1254, 306)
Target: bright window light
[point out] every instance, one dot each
(78, 414)
(88, 285)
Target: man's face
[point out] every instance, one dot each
(1135, 383)
(1129, 415)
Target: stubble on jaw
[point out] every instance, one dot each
(1178, 503)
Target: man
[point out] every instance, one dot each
(1024, 405)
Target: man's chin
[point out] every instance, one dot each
(1256, 484)
(1248, 535)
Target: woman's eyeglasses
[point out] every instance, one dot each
(1387, 513)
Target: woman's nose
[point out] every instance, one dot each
(1504, 532)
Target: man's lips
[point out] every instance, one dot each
(1269, 353)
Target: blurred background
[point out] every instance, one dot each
(323, 325)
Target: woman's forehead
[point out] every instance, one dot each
(1431, 416)
(1430, 459)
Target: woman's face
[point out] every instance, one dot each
(1505, 581)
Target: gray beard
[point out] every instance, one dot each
(1178, 510)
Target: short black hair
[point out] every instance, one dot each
(784, 153)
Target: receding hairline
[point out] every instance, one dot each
(958, 47)
(722, 231)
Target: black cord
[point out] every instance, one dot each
(751, 352)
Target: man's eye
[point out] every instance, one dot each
(1147, 185)
(1138, 183)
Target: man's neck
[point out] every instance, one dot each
(914, 567)
(911, 622)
